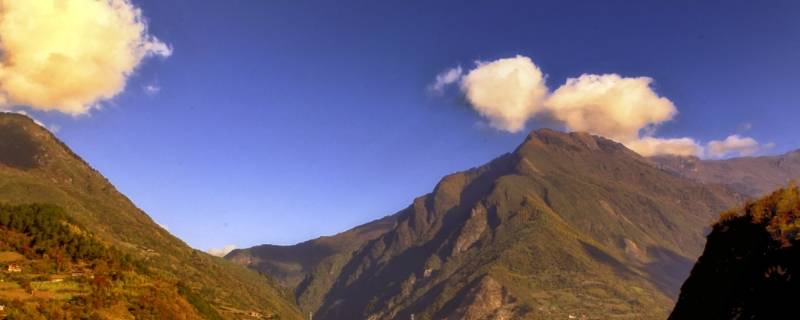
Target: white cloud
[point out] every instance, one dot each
(507, 92)
(67, 56)
(624, 109)
(610, 105)
(221, 252)
(650, 146)
(446, 78)
(735, 145)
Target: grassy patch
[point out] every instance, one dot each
(9, 256)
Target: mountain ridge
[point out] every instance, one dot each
(36, 167)
(753, 176)
(459, 252)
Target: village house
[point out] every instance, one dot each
(14, 268)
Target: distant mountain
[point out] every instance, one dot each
(40, 178)
(750, 266)
(753, 176)
(309, 267)
(566, 225)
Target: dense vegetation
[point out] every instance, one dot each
(65, 273)
(749, 269)
(48, 232)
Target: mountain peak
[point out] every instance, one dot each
(549, 140)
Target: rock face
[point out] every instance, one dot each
(35, 167)
(567, 224)
(486, 300)
(750, 268)
(752, 176)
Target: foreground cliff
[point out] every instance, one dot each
(750, 268)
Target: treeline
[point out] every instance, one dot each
(45, 231)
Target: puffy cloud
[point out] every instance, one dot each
(650, 146)
(446, 78)
(734, 145)
(609, 105)
(69, 55)
(507, 92)
(620, 108)
(221, 252)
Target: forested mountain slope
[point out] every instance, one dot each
(37, 169)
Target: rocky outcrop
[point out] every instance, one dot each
(486, 300)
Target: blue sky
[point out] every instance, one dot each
(280, 121)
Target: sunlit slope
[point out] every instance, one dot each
(37, 168)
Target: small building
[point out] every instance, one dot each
(14, 268)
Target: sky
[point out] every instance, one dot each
(244, 122)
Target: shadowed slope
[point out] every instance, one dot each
(749, 269)
(753, 176)
(308, 267)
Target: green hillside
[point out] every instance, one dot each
(566, 225)
(36, 168)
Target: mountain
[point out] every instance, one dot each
(40, 178)
(308, 267)
(753, 176)
(567, 225)
(749, 268)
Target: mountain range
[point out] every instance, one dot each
(753, 176)
(567, 225)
